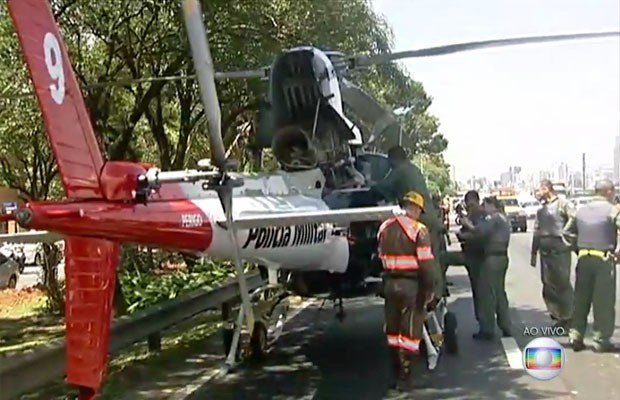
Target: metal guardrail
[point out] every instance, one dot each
(42, 365)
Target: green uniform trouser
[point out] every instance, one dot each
(440, 281)
(595, 286)
(473, 264)
(491, 297)
(555, 277)
(442, 250)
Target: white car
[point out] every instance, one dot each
(9, 271)
(531, 207)
(581, 201)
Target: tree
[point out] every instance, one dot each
(437, 172)
(120, 48)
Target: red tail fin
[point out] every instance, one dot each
(67, 122)
(90, 273)
(90, 263)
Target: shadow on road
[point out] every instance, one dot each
(22, 333)
(321, 359)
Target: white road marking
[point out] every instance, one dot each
(513, 353)
(202, 380)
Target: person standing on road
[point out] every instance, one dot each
(593, 232)
(409, 285)
(442, 248)
(491, 300)
(473, 251)
(555, 254)
(403, 178)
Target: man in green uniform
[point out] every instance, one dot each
(593, 232)
(555, 255)
(442, 247)
(405, 177)
(473, 251)
(493, 233)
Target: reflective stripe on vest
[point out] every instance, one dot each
(404, 342)
(407, 225)
(424, 253)
(399, 263)
(384, 225)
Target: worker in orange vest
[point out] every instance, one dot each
(410, 276)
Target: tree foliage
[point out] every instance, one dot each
(437, 173)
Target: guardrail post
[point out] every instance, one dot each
(154, 342)
(226, 310)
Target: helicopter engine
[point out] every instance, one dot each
(293, 149)
(308, 121)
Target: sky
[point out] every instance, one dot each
(533, 106)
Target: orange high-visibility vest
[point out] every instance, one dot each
(396, 255)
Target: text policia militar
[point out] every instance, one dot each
(544, 331)
(285, 236)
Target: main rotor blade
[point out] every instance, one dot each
(203, 64)
(365, 61)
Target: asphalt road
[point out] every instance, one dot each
(320, 358)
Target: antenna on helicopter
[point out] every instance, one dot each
(223, 184)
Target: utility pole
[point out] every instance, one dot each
(583, 170)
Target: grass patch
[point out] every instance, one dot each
(22, 326)
(136, 365)
(19, 303)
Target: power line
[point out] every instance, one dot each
(122, 82)
(261, 73)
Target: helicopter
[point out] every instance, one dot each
(280, 220)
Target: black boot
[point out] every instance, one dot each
(416, 373)
(577, 344)
(396, 367)
(604, 346)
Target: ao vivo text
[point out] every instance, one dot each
(545, 331)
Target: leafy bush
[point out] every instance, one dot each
(143, 289)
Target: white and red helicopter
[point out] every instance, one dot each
(279, 220)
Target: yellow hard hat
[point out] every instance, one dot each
(414, 198)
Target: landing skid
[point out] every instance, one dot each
(270, 307)
(438, 332)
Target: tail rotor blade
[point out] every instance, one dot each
(203, 64)
(365, 61)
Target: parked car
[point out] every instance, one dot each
(33, 253)
(16, 253)
(581, 201)
(531, 207)
(515, 213)
(9, 270)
